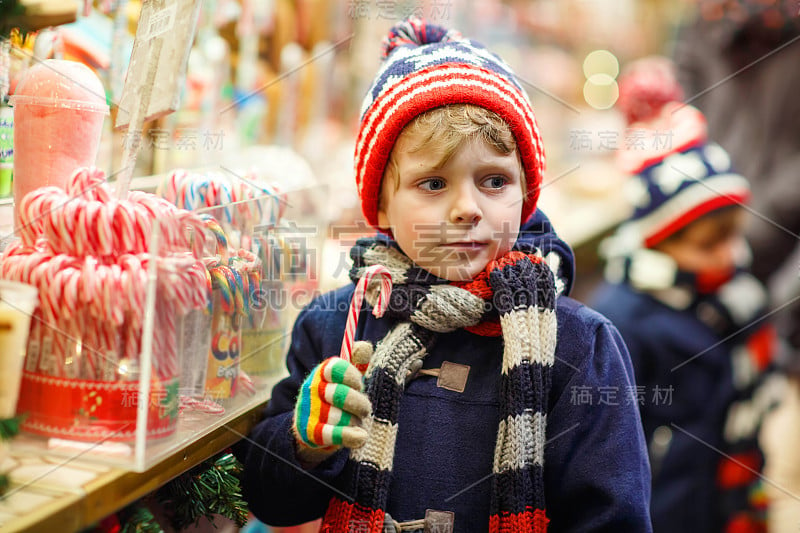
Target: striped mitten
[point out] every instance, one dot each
(329, 409)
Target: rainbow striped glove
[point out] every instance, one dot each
(330, 407)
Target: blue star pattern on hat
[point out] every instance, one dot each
(681, 188)
(404, 60)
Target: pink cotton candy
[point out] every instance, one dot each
(59, 108)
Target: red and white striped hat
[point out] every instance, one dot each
(427, 66)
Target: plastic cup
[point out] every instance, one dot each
(194, 340)
(59, 108)
(17, 303)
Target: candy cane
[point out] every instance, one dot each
(124, 220)
(63, 290)
(39, 263)
(225, 198)
(201, 285)
(84, 227)
(142, 225)
(90, 294)
(222, 282)
(59, 227)
(89, 183)
(32, 209)
(114, 315)
(51, 299)
(115, 306)
(239, 205)
(134, 285)
(216, 230)
(355, 304)
(75, 323)
(173, 185)
(94, 309)
(241, 269)
(253, 190)
(244, 381)
(195, 279)
(109, 350)
(16, 248)
(196, 239)
(186, 198)
(165, 359)
(97, 185)
(19, 267)
(129, 285)
(202, 406)
(177, 287)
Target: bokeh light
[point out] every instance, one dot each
(601, 91)
(600, 62)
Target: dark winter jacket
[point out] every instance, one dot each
(685, 374)
(596, 470)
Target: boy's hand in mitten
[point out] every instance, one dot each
(329, 410)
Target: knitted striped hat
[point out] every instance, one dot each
(678, 175)
(427, 66)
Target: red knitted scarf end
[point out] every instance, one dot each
(531, 521)
(344, 517)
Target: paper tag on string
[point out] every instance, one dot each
(159, 59)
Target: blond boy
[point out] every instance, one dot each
(468, 416)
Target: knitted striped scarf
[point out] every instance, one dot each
(513, 297)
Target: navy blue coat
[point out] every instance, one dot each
(685, 374)
(597, 476)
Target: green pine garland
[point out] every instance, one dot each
(138, 519)
(9, 427)
(208, 489)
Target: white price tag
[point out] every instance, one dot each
(160, 22)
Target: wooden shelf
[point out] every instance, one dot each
(40, 14)
(87, 492)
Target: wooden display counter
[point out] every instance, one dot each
(62, 493)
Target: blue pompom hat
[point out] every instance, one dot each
(678, 175)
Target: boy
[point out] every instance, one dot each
(466, 418)
(690, 315)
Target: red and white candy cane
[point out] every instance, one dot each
(33, 207)
(381, 304)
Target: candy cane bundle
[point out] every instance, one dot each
(230, 208)
(240, 200)
(233, 280)
(89, 255)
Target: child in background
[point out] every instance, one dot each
(689, 313)
(466, 418)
